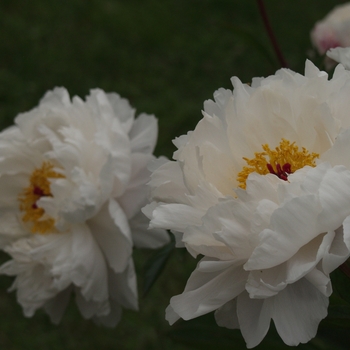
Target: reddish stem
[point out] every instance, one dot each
(271, 34)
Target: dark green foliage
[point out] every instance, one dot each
(156, 264)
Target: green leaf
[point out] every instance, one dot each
(338, 319)
(155, 265)
(332, 335)
(341, 285)
(339, 312)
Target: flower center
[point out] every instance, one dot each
(39, 187)
(282, 161)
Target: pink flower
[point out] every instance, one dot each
(333, 30)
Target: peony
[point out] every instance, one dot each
(340, 54)
(72, 180)
(261, 190)
(333, 30)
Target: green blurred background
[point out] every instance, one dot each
(166, 57)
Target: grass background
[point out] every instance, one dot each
(166, 57)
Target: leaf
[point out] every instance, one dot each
(338, 319)
(339, 312)
(155, 265)
(341, 285)
(332, 335)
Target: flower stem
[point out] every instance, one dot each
(271, 34)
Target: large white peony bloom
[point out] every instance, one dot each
(333, 30)
(261, 189)
(72, 182)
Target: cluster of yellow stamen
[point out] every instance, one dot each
(282, 161)
(39, 186)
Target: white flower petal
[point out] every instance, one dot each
(175, 216)
(90, 308)
(120, 220)
(214, 169)
(337, 252)
(346, 232)
(122, 109)
(297, 311)
(293, 226)
(254, 319)
(170, 315)
(11, 228)
(34, 283)
(88, 269)
(335, 155)
(226, 315)
(167, 183)
(11, 186)
(268, 282)
(143, 134)
(136, 194)
(341, 55)
(320, 281)
(56, 307)
(210, 286)
(334, 194)
(144, 237)
(123, 292)
(229, 221)
(116, 247)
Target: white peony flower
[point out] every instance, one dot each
(261, 189)
(341, 55)
(72, 182)
(333, 30)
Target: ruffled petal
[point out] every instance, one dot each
(174, 216)
(293, 225)
(341, 55)
(254, 318)
(116, 246)
(210, 286)
(143, 134)
(226, 315)
(56, 307)
(143, 237)
(297, 311)
(268, 282)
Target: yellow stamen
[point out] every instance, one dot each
(39, 186)
(282, 161)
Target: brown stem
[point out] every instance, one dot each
(271, 35)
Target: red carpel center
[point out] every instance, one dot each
(281, 172)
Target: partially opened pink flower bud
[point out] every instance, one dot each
(333, 30)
